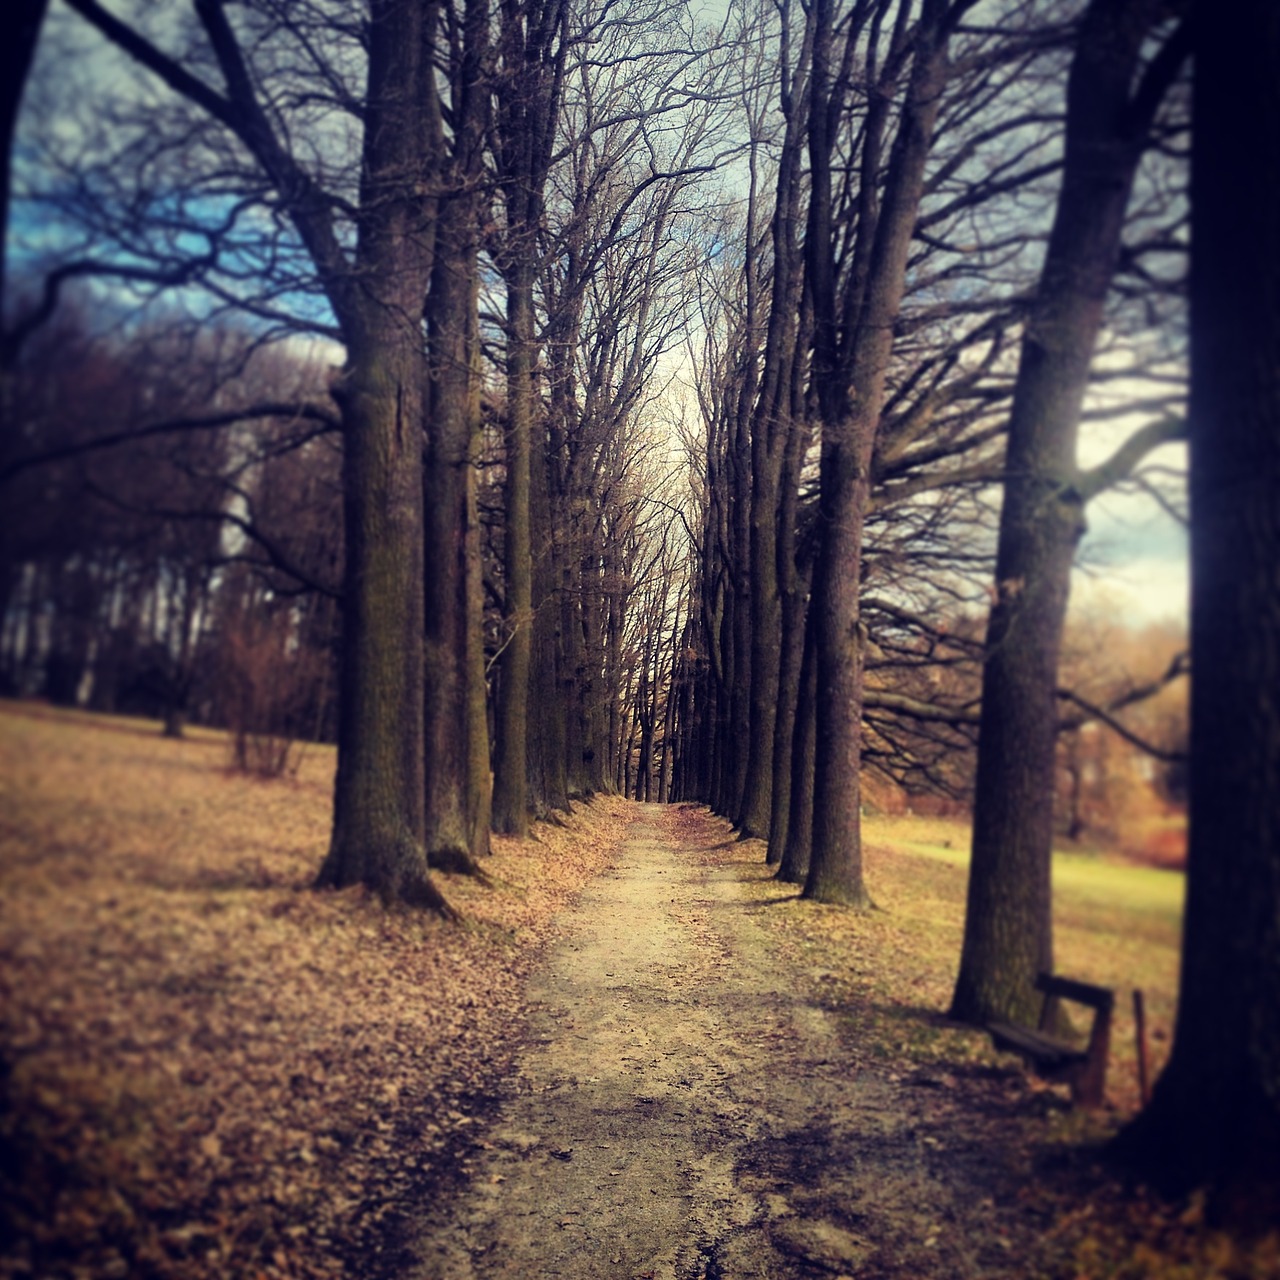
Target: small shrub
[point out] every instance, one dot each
(270, 685)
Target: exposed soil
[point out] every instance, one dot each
(690, 1105)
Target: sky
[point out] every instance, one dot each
(1136, 564)
(1134, 553)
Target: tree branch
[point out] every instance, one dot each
(1122, 462)
(212, 422)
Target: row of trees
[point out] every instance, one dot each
(929, 216)
(494, 214)
(886, 253)
(922, 277)
(129, 580)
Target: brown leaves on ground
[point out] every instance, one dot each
(888, 974)
(206, 1069)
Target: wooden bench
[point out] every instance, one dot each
(1085, 1070)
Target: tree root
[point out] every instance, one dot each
(455, 861)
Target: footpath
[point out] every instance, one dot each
(687, 1107)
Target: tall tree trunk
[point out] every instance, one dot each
(728, 702)
(1008, 922)
(456, 791)
(595, 684)
(794, 590)
(547, 729)
(479, 772)
(377, 297)
(613, 661)
(1214, 1117)
(379, 818)
(738, 729)
(448, 480)
(576, 684)
(530, 76)
(789, 678)
(378, 829)
(772, 510)
(793, 867)
(667, 757)
(850, 367)
(510, 782)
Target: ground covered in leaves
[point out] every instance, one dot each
(205, 1068)
(723, 1080)
(888, 977)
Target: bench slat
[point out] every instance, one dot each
(1072, 989)
(1084, 1069)
(1032, 1044)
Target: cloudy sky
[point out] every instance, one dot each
(1134, 556)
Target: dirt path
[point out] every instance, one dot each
(686, 1108)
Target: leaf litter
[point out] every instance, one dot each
(208, 1070)
(205, 1068)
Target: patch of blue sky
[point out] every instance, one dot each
(1134, 556)
(210, 254)
(111, 166)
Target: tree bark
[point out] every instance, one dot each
(773, 510)
(377, 297)
(850, 368)
(793, 866)
(1214, 1117)
(510, 782)
(547, 728)
(737, 642)
(447, 498)
(379, 810)
(479, 770)
(531, 56)
(379, 799)
(1008, 922)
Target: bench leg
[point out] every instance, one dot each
(1089, 1083)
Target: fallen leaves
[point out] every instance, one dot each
(888, 976)
(208, 1069)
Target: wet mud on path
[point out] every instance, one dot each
(686, 1106)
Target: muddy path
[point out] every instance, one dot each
(685, 1106)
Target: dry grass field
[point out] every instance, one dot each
(206, 1070)
(891, 974)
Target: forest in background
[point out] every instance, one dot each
(192, 577)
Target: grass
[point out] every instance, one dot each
(1115, 924)
(1087, 874)
(206, 1070)
(891, 973)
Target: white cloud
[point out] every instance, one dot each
(1143, 590)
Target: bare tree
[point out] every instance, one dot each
(375, 289)
(531, 52)
(1008, 931)
(852, 349)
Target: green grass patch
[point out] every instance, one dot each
(1091, 878)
